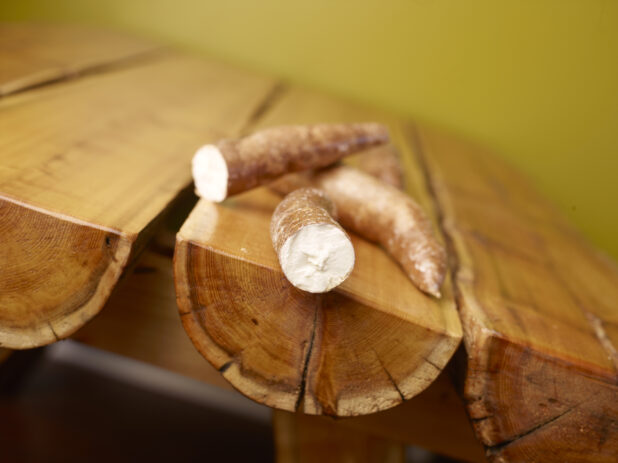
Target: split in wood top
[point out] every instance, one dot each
(33, 54)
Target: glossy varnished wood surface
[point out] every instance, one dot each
(370, 344)
(89, 165)
(539, 309)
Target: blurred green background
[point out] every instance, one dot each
(536, 80)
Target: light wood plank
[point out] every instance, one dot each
(370, 344)
(88, 166)
(539, 309)
(33, 54)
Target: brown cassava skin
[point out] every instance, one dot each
(383, 163)
(265, 155)
(380, 213)
(302, 207)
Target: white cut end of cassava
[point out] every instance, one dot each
(317, 258)
(210, 173)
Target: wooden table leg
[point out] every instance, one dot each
(305, 438)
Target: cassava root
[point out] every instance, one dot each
(383, 214)
(233, 166)
(383, 163)
(315, 253)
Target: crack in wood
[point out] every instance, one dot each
(264, 106)
(390, 377)
(51, 327)
(496, 448)
(481, 418)
(453, 259)
(125, 62)
(223, 368)
(303, 379)
(432, 364)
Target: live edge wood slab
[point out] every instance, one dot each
(90, 164)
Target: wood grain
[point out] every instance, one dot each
(140, 319)
(33, 54)
(367, 346)
(143, 316)
(55, 274)
(88, 167)
(539, 310)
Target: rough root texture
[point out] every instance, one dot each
(384, 164)
(265, 155)
(315, 253)
(383, 214)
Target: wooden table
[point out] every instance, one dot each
(97, 133)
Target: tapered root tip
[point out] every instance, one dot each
(431, 285)
(317, 258)
(210, 173)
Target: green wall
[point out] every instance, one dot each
(537, 80)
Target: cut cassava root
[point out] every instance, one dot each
(315, 253)
(233, 166)
(383, 214)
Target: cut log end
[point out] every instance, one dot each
(317, 258)
(210, 173)
(56, 274)
(364, 347)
